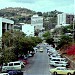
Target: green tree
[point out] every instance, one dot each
(7, 38)
(36, 40)
(9, 55)
(21, 44)
(48, 38)
(12, 40)
(39, 13)
(64, 40)
(47, 34)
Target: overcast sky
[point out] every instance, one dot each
(66, 6)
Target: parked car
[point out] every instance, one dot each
(56, 61)
(29, 55)
(62, 71)
(25, 61)
(49, 53)
(15, 72)
(59, 64)
(35, 48)
(4, 74)
(54, 56)
(17, 65)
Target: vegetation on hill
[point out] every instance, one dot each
(50, 19)
(17, 14)
(23, 15)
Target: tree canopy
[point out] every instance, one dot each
(17, 43)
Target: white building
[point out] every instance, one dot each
(28, 29)
(37, 22)
(5, 25)
(64, 19)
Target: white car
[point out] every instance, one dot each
(54, 56)
(58, 62)
(4, 74)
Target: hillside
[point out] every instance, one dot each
(17, 14)
(23, 15)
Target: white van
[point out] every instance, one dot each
(4, 74)
(12, 66)
(58, 62)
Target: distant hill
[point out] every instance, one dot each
(23, 15)
(17, 14)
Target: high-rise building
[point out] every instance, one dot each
(64, 19)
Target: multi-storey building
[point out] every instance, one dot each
(64, 19)
(5, 25)
(37, 22)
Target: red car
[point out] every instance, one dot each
(24, 61)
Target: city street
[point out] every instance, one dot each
(38, 65)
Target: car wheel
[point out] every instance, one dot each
(68, 73)
(74, 73)
(55, 73)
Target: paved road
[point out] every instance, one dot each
(38, 65)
